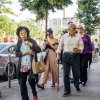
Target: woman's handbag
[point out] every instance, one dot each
(38, 66)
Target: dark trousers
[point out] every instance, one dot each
(23, 87)
(0, 93)
(61, 56)
(90, 59)
(83, 67)
(71, 60)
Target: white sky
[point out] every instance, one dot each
(69, 12)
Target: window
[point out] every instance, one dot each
(2, 46)
(12, 49)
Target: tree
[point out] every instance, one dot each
(35, 31)
(42, 7)
(4, 8)
(7, 25)
(88, 14)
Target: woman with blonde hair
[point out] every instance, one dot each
(84, 56)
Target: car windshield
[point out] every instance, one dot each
(2, 46)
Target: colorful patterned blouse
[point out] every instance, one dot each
(25, 60)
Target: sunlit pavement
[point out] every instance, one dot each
(90, 92)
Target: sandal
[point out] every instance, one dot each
(40, 86)
(53, 85)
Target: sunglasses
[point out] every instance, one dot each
(48, 34)
(79, 28)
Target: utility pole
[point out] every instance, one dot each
(46, 24)
(64, 12)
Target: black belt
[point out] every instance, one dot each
(71, 53)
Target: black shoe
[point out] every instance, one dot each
(84, 83)
(80, 82)
(53, 85)
(71, 80)
(78, 89)
(66, 94)
(40, 86)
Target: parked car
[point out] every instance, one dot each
(4, 56)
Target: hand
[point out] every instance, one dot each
(25, 52)
(30, 52)
(58, 57)
(28, 43)
(76, 50)
(46, 42)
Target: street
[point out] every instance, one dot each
(90, 92)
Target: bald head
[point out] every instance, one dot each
(71, 25)
(72, 29)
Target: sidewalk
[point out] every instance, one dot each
(89, 92)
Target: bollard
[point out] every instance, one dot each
(9, 68)
(58, 78)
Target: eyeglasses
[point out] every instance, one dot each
(74, 28)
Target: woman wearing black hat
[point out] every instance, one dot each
(26, 48)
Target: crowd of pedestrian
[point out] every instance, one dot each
(74, 49)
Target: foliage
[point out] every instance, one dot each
(2, 2)
(7, 25)
(88, 14)
(35, 31)
(40, 7)
(58, 32)
(4, 8)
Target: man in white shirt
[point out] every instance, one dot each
(72, 46)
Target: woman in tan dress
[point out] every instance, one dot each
(51, 63)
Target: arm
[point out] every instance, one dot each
(34, 46)
(54, 46)
(90, 43)
(18, 52)
(61, 43)
(81, 45)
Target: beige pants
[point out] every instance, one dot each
(51, 69)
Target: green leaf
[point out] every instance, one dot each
(88, 11)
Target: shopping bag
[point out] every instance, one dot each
(38, 66)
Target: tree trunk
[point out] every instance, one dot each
(46, 24)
